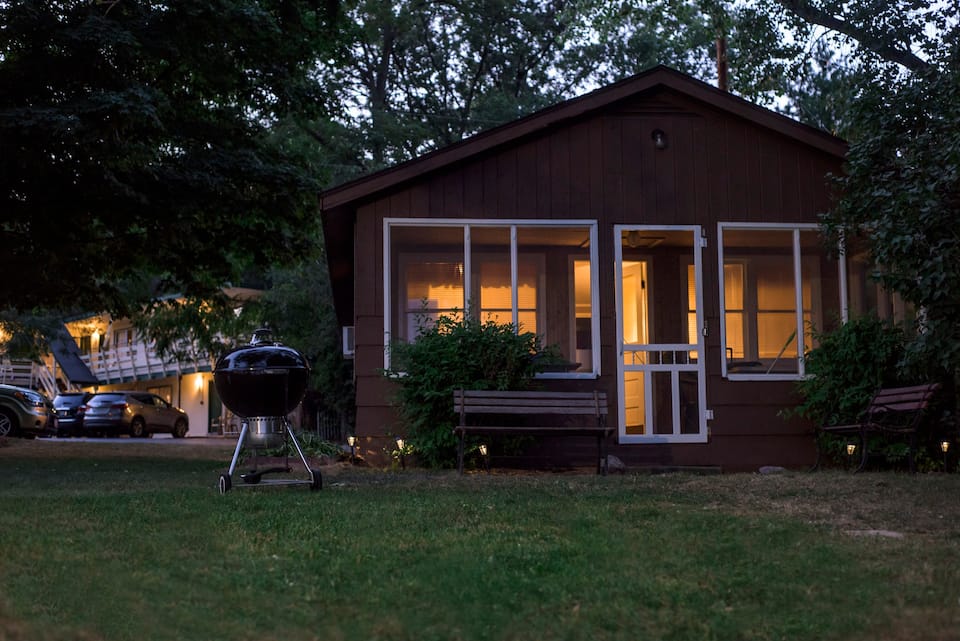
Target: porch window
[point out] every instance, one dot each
(538, 276)
(771, 297)
(867, 296)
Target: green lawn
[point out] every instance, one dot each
(105, 545)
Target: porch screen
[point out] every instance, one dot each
(538, 277)
(772, 298)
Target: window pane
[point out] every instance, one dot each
(733, 296)
(490, 256)
(583, 330)
(553, 293)
(429, 280)
(760, 301)
(428, 276)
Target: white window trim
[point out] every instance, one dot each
(796, 228)
(513, 224)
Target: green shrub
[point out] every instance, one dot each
(844, 370)
(457, 352)
(847, 367)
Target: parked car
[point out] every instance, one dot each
(25, 412)
(139, 414)
(68, 406)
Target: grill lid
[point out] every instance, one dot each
(264, 378)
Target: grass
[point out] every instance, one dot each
(120, 542)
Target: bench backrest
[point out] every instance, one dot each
(529, 402)
(904, 405)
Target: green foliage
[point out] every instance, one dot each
(298, 306)
(847, 367)
(901, 200)
(191, 329)
(311, 444)
(457, 352)
(136, 143)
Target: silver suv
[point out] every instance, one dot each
(25, 412)
(139, 414)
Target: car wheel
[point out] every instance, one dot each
(224, 484)
(180, 429)
(7, 423)
(138, 427)
(316, 481)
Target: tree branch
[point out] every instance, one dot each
(804, 9)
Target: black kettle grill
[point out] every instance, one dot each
(261, 383)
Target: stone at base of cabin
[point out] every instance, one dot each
(772, 469)
(614, 464)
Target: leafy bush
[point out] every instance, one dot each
(848, 366)
(457, 352)
(311, 444)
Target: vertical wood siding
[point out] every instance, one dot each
(716, 168)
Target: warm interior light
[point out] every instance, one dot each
(199, 383)
(944, 446)
(851, 448)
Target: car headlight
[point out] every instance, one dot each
(30, 398)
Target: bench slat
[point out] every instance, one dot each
(532, 409)
(534, 430)
(539, 403)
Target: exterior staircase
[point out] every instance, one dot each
(28, 374)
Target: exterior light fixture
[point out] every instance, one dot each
(851, 450)
(483, 454)
(944, 447)
(659, 138)
(352, 442)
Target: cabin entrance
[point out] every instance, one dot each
(659, 336)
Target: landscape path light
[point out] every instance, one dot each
(403, 461)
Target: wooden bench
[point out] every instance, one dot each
(895, 410)
(467, 403)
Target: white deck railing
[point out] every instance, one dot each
(138, 361)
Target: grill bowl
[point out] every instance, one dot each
(261, 379)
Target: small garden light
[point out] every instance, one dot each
(403, 462)
(944, 447)
(352, 442)
(851, 450)
(483, 454)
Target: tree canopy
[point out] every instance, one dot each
(901, 199)
(136, 155)
(158, 147)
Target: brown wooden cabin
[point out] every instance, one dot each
(662, 232)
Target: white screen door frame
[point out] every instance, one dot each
(644, 366)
